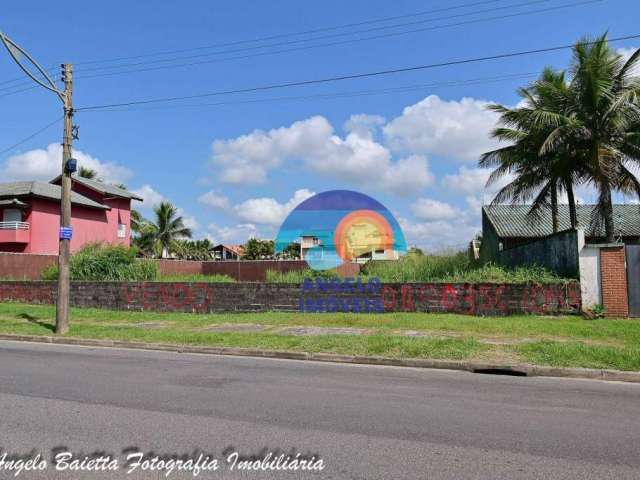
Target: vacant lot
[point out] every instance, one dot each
(557, 341)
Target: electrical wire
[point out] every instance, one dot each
(348, 77)
(332, 95)
(53, 69)
(291, 34)
(35, 134)
(324, 37)
(336, 43)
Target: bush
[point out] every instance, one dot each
(297, 276)
(198, 277)
(455, 268)
(103, 262)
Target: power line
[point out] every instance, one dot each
(341, 42)
(348, 77)
(36, 133)
(291, 34)
(331, 95)
(14, 92)
(305, 40)
(272, 37)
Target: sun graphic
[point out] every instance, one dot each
(363, 232)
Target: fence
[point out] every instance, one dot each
(21, 266)
(473, 299)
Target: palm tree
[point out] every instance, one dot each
(585, 131)
(87, 173)
(167, 228)
(602, 124)
(538, 176)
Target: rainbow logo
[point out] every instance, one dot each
(341, 226)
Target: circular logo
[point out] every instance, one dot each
(341, 226)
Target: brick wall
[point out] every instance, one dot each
(614, 281)
(21, 266)
(180, 267)
(251, 270)
(476, 299)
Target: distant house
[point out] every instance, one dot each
(307, 242)
(228, 252)
(30, 215)
(382, 252)
(507, 226)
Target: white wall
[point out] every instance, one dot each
(590, 276)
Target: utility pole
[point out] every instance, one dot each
(62, 305)
(42, 78)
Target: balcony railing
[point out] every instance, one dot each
(14, 226)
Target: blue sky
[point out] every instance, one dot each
(236, 164)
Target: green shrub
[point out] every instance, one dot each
(103, 262)
(456, 267)
(199, 277)
(297, 276)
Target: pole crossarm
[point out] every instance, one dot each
(16, 52)
(12, 47)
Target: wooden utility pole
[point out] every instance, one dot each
(62, 305)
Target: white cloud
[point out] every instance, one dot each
(364, 125)
(269, 211)
(45, 164)
(440, 235)
(626, 54)
(356, 158)
(214, 200)
(471, 182)
(246, 159)
(468, 180)
(189, 221)
(429, 209)
(239, 233)
(454, 129)
(150, 196)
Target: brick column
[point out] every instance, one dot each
(613, 276)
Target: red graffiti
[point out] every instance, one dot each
(408, 304)
(389, 298)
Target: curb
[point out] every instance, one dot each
(469, 366)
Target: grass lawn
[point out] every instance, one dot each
(558, 341)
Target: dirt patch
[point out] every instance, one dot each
(236, 327)
(324, 331)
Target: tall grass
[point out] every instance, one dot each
(457, 267)
(102, 262)
(197, 277)
(454, 268)
(297, 276)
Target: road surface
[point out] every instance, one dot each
(364, 422)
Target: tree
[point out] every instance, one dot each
(88, 173)
(291, 252)
(538, 175)
(603, 123)
(193, 249)
(167, 228)
(583, 131)
(256, 249)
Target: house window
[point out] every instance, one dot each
(12, 215)
(380, 252)
(316, 241)
(122, 230)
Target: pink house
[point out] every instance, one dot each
(30, 215)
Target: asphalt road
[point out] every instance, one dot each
(364, 422)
